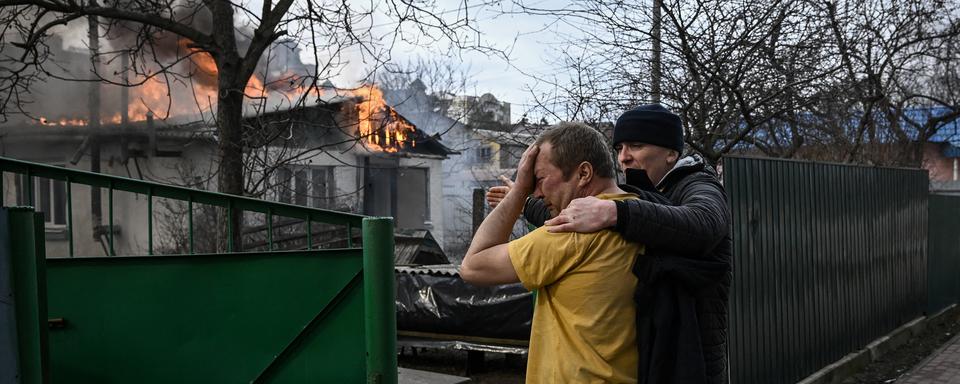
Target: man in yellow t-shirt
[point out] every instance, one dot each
(584, 329)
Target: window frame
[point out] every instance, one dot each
(49, 198)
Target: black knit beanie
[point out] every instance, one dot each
(651, 124)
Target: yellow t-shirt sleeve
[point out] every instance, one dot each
(541, 257)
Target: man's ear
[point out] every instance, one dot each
(673, 157)
(584, 173)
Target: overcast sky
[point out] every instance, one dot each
(526, 40)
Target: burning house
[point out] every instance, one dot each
(379, 162)
(315, 146)
(488, 146)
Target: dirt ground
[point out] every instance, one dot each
(891, 366)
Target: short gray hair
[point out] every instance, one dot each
(575, 142)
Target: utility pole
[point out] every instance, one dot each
(656, 69)
(93, 119)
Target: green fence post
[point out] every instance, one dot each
(269, 229)
(70, 215)
(190, 220)
(24, 236)
(380, 314)
(113, 251)
(150, 221)
(230, 226)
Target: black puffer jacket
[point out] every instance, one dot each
(686, 231)
(695, 228)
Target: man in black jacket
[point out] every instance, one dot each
(684, 221)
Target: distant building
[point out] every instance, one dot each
(481, 112)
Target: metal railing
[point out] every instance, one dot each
(153, 190)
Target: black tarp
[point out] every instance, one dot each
(444, 303)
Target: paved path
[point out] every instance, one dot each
(943, 367)
(413, 376)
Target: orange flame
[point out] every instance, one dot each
(208, 69)
(153, 95)
(73, 121)
(380, 127)
(63, 122)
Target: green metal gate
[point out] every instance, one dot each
(316, 315)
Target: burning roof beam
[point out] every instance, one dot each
(380, 127)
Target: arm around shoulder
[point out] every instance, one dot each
(695, 224)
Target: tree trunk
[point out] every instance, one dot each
(231, 82)
(230, 145)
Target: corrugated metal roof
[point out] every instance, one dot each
(436, 270)
(949, 132)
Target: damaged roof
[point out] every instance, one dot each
(424, 143)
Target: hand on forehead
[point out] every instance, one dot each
(525, 170)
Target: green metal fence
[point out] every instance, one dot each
(21, 249)
(292, 316)
(943, 257)
(827, 258)
(152, 191)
